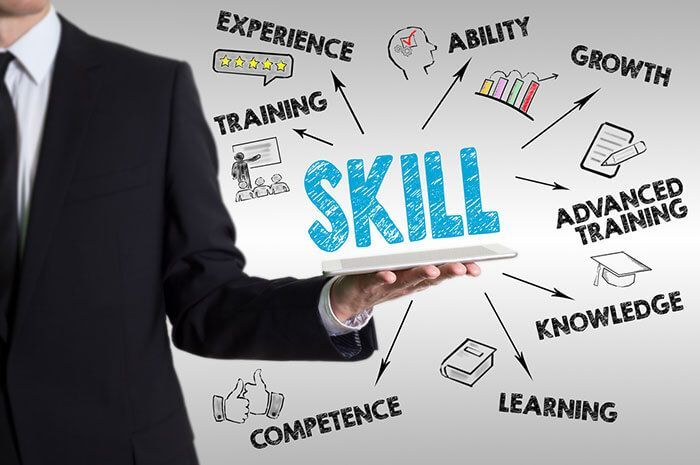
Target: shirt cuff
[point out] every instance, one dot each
(333, 325)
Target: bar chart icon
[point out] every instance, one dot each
(513, 90)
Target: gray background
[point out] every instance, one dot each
(648, 368)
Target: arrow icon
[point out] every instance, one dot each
(518, 354)
(553, 76)
(302, 133)
(458, 77)
(385, 361)
(340, 86)
(555, 187)
(577, 104)
(555, 292)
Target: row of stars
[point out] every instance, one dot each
(252, 63)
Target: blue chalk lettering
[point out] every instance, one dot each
(442, 225)
(365, 206)
(478, 221)
(327, 240)
(413, 195)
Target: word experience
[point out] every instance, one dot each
(613, 63)
(660, 304)
(559, 408)
(487, 35)
(366, 208)
(299, 39)
(659, 201)
(326, 422)
(271, 113)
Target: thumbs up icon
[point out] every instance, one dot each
(249, 398)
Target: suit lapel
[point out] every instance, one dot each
(74, 88)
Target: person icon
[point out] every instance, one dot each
(261, 190)
(245, 193)
(240, 171)
(411, 51)
(278, 187)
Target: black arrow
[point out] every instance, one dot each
(302, 133)
(555, 292)
(340, 86)
(553, 76)
(555, 187)
(577, 104)
(385, 361)
(518, 354)
(458, 77)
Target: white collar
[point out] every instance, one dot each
(36, 49)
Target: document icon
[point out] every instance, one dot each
(468, 362)
(610, 140)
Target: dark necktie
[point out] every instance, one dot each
(9, 227)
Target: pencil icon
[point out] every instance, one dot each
(625, 154)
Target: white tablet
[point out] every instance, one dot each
(407, 260)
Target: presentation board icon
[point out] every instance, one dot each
(618, 269)
(259, 153)
(611, 146)
(269, 66)
(513, 90)
(468, 362)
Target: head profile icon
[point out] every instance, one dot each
(411, 51)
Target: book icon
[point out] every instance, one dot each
(468, 362)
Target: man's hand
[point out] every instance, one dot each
(352, 294)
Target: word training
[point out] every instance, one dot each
(613, 63)
(269, 113)
(660, 304)
(298, 39)
(659, 201)
(559, 408)
(344, 418)
(366, 207)
(484, 35)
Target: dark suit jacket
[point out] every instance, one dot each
(127, 226)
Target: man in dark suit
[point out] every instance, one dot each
(110, 149)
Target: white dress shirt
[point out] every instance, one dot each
(28, 79)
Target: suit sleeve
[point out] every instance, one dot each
(216, 309)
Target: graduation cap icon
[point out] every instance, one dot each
(618, 269)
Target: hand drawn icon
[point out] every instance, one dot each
(245, 192)
(411, 51)
(618, 269)
(234, 408)
(240, 170)
(261, 189)
(508, 89)
(468, 362)
(259, 153)
(278, 186)
(270, 66)
(611, 146)
(248, 399)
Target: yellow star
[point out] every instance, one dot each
(267, 64)
(239, 62)
(281, 65)
(253, 63)
(225, 60)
